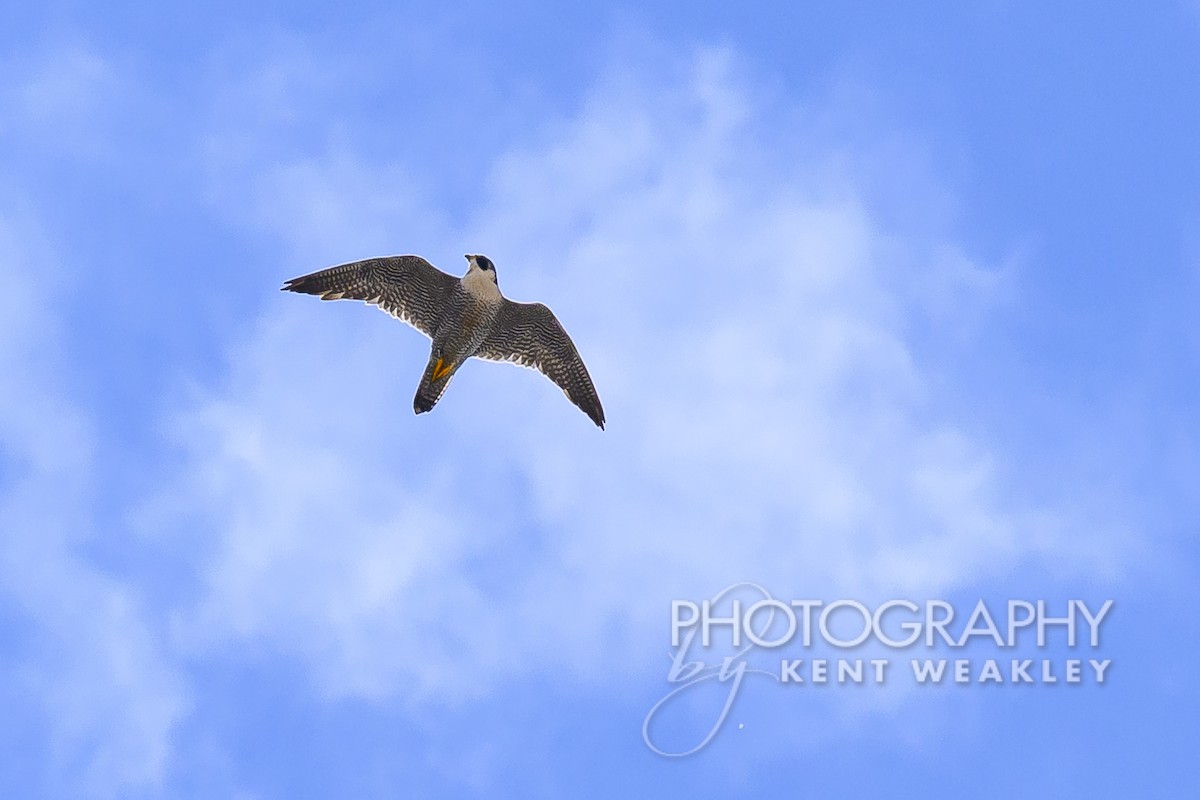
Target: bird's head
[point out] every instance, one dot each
(482, 264)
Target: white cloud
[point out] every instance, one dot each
(91, 668)
(746, 316)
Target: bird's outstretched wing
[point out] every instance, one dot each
(530, 335)
(407, 287)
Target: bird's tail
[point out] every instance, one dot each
(433, 383)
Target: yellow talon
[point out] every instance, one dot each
(440, 368)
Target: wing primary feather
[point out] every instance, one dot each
(530, 335)
(407, 287)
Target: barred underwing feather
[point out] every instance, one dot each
(408, 287)
(530, 335)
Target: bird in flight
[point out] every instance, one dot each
(464, 317)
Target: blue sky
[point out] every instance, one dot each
(880, 302)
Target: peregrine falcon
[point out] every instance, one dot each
(464, 317)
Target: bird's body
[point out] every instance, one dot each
(465, 323)
(463, 317)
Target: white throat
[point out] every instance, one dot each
(480, 284)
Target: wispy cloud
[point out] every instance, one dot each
(65, 97)
(91, 669)
(746, 315)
